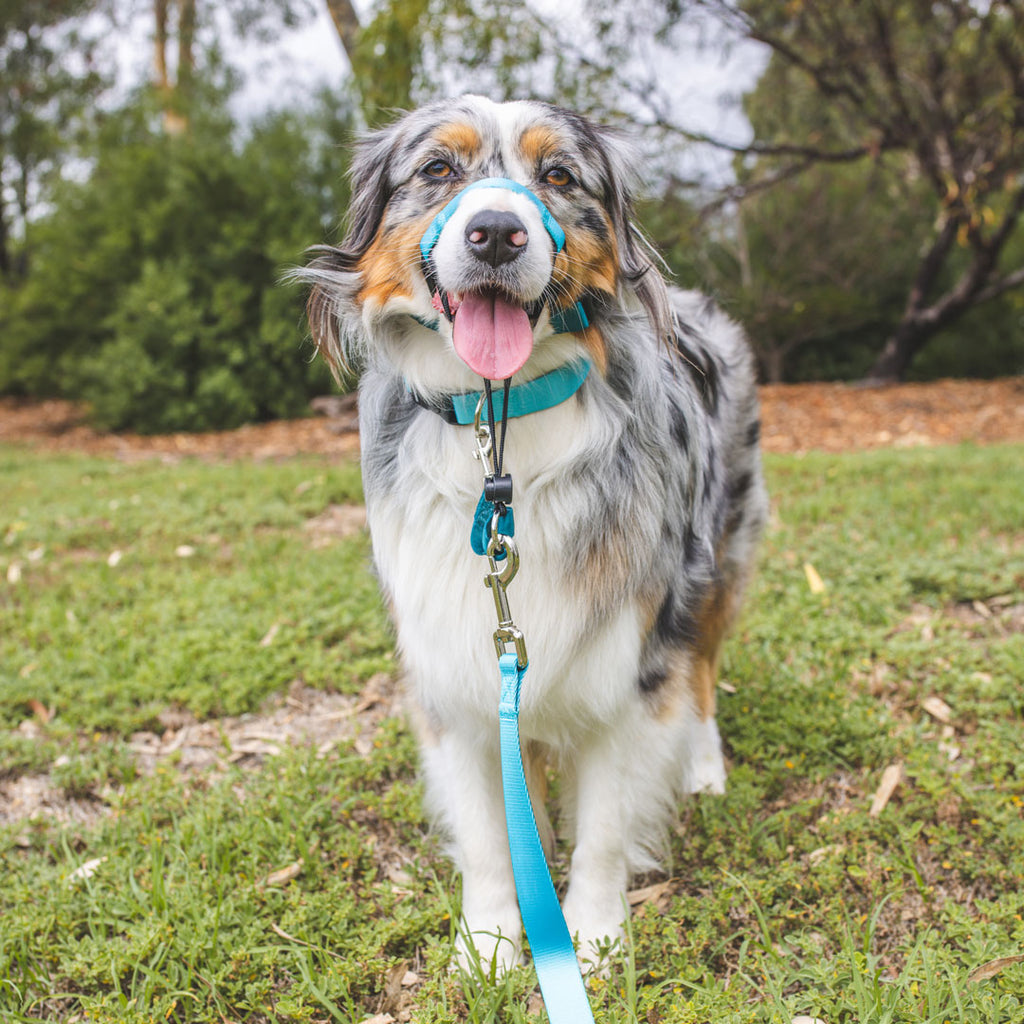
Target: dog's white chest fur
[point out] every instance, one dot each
(445, 615)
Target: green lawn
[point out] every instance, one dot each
(127, 590)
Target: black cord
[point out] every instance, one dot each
(504, 424)
(500, 457)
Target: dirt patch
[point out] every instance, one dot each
(335, 523)
(303, 717)
(57, 426)
(843, 417)
(796, 418)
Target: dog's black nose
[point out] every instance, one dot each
(496, 237)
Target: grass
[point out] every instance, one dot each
(785, 897)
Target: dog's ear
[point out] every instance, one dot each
(370, 178)
(639, 263)
(334, 271)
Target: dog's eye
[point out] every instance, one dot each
(438, 169)
(559, 176)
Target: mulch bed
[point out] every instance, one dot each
(796, 418)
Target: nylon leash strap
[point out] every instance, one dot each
(554, 956)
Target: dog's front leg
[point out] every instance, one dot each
(595, 904)
(464, 787)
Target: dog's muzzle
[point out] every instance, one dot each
(491, 334)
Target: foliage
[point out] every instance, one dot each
(396, 32)
(49, 75)
(932, 90)
(816, 271)
(156, 296)
(199, 50)
(784, 897)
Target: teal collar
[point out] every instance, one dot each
(544, 392)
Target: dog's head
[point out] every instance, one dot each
(481, 236)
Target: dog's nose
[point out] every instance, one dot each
(496, 237)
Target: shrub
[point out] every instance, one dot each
(154, 293)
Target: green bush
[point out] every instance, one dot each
(154, 293)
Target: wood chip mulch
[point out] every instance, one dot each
(796, 418)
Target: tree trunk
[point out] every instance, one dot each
(5, 250)
(346, 23)
(174, 95)
(163, 83)
(186, 38)
(895, 358)
(773, 363)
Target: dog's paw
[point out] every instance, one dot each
(707, 766)
(486, 956)
(707, 775)
(595, 955)
(596, 934)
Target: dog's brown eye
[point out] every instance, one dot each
(438, 169)
(559, 176)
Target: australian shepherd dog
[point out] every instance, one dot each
(494, 241)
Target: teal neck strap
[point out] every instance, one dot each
(544, 392)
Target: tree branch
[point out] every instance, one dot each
(1000, 286)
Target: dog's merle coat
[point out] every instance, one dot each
(638, 505)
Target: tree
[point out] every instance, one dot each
(183, 19)
(387, 55)
(411, 51)
(48, 78)
(935, 88)
(814, 269)
(155, 295)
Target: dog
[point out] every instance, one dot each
(494, 241)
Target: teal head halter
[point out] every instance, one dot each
(433, 233)
(567, 320)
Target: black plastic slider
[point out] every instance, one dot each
(498, 489)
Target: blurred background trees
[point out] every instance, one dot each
(856, 202)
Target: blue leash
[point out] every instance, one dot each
(554, 956)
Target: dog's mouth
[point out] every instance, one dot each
(492, 333)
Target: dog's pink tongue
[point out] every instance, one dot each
(491, 336)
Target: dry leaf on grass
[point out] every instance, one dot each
(86, 870)
(814, 581)
(40, 710)
(993, 967)
(890, 780)
(815, 857)
(270, 635)
(938, 709)
(649, 893)
(285, 875)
